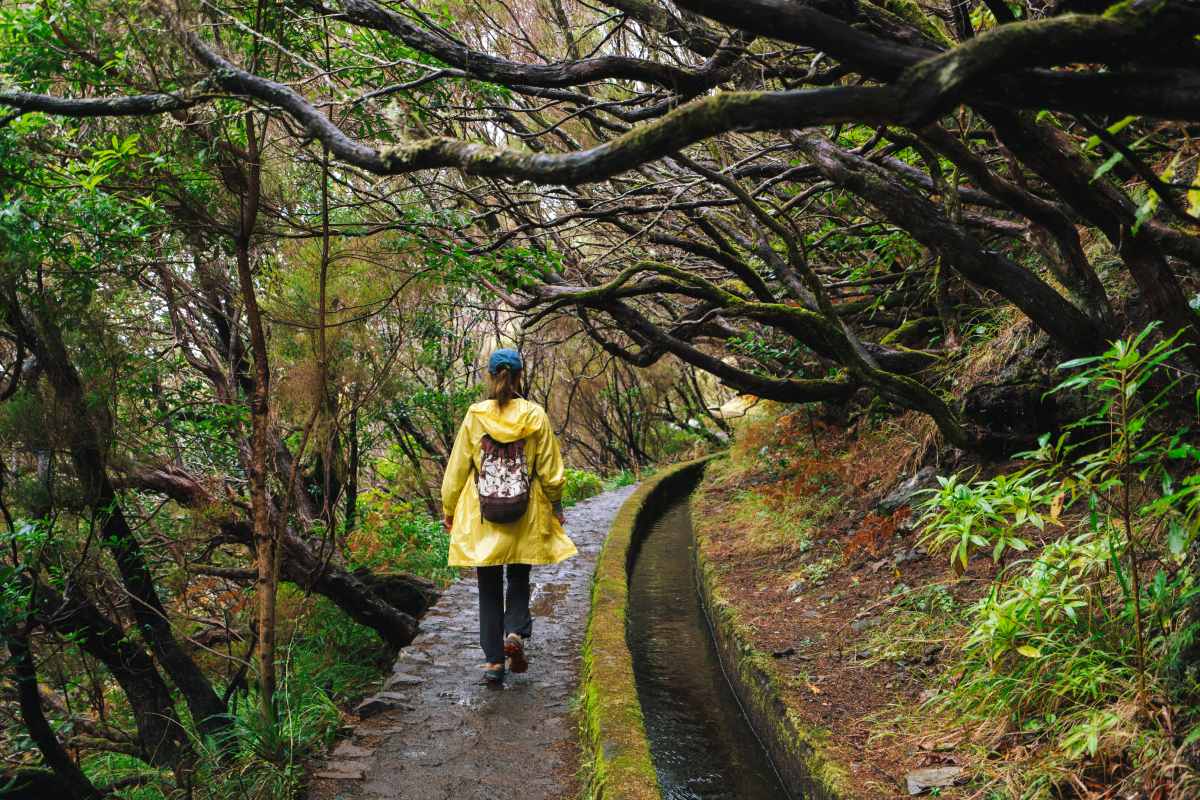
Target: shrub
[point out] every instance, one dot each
(623, 478)
(1077, 651)
(396, 536)
(581, 485)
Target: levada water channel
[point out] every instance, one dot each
(703, 747)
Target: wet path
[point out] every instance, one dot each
(437, 733)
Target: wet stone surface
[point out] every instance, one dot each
(436, 732)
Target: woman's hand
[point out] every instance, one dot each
(447, 523)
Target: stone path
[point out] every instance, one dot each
(436, 732)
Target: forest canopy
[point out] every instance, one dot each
(251, 254)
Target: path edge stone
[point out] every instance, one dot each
(617, 760)
(796, 749)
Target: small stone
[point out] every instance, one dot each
(344, 772)
(350, 750)
(920, 781)
(909, 554)
(796, 587)
(904, 492)
(399, 680)
(378, 703)
(860, 625)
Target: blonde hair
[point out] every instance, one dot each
(503, 385)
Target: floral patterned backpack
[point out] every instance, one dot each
(503, 481)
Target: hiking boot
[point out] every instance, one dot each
(514, 648)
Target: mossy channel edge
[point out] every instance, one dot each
(617, 761)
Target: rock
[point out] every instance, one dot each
(909, 554)
(344, 772)
(350, 750)
(1010, 415)
(904, 492)
(378, 703)
(400, 679)
(416, 656)
(920, 781)
(796, 587)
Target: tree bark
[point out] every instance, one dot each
(260, 445)
(161, 738)
(53, 753)
(87, 456)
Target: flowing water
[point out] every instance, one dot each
(702, 745)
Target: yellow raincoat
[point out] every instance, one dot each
(535, 538)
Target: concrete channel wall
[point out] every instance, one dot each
(617, 760)
(796, 749)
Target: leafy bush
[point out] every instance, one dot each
(623, 478)
(1080, 650)
(966, 517)
(396, 536)
(581, 485)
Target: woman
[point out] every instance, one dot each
(502, 501)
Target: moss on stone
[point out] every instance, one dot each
(618, 765)
(799, 750)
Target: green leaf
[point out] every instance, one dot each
(1029, 651)
(1109, 163)
(1093, 142)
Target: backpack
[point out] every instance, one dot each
(502, 481)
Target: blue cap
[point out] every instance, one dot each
(505, 357)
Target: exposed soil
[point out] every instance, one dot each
(833, 676)
(444, 735)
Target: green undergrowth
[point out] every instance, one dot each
(396, 535)
(324, 665)
(1079, 667)
(581, 485)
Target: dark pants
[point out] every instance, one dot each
(501, 612)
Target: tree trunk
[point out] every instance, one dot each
(1051, 156)
(87, 456)
(352, 472)
(1065, 324)
(265, 548)
(36, 724)
(161, 738)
